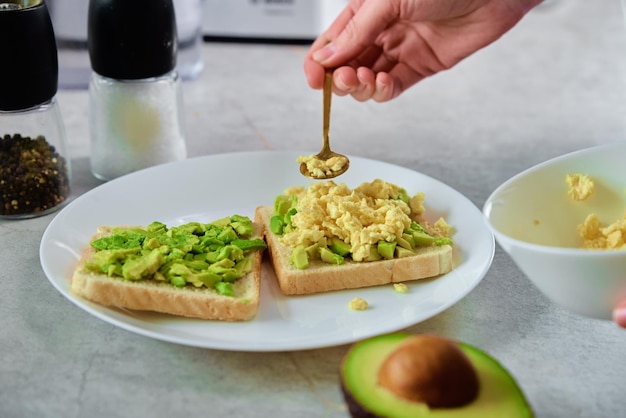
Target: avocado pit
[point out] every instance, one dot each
(431, 370)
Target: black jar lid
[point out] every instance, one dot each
(132, 39)
(29, 71)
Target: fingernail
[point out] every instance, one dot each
(323, 54)
(619, 315)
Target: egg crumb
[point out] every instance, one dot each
(442, 228)
(580, 186)
(596, 236)
(593, 234)
(400, 287)
(358, 304)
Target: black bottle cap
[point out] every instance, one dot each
(131, 39)
(29, 71)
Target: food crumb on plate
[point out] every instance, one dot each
(400, 287)
(358, 304)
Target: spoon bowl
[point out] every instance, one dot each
(326, 164)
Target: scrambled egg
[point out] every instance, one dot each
(580, 186)
(360, 217)
(595, 236)
(442, 228)
(358, 304)
(591, 231)
(322, 168)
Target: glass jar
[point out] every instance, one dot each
(135, 96)
(135, 124)
(34, 165)
(34, 168)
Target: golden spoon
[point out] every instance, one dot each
(326, 164)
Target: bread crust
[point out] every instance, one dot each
(152, 295)
(323, 277)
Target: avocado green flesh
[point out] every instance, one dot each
(299, 258)
(499, 394)
(213, 255)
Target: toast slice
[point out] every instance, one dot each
(160, 296)
(323, 277)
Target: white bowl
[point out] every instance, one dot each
(535, 221)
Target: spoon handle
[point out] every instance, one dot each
(328, 92)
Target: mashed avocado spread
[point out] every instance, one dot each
(213, 255)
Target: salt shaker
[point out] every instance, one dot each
(135, 91)
(34, 164)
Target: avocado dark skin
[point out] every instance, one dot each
(492, 391)
(356, 409)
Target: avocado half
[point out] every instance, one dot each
(498, 393)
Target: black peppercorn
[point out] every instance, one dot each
(33, 176)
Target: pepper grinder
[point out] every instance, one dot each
(34, 168)
(135, 91)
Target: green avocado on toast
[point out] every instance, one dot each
(198, 254)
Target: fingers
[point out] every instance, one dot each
(313, 70)
(350, 40)
(314, 73)
(386, 88)
(619, 315)
(363, 84)
(354, 31)
(359, 83)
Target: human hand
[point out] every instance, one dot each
(380, 48)
(619, 315)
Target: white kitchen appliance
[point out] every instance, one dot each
(288, 20)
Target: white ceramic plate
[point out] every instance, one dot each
(207, 188)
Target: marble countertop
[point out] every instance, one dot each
(554, 84)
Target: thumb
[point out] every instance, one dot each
(356, 31)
